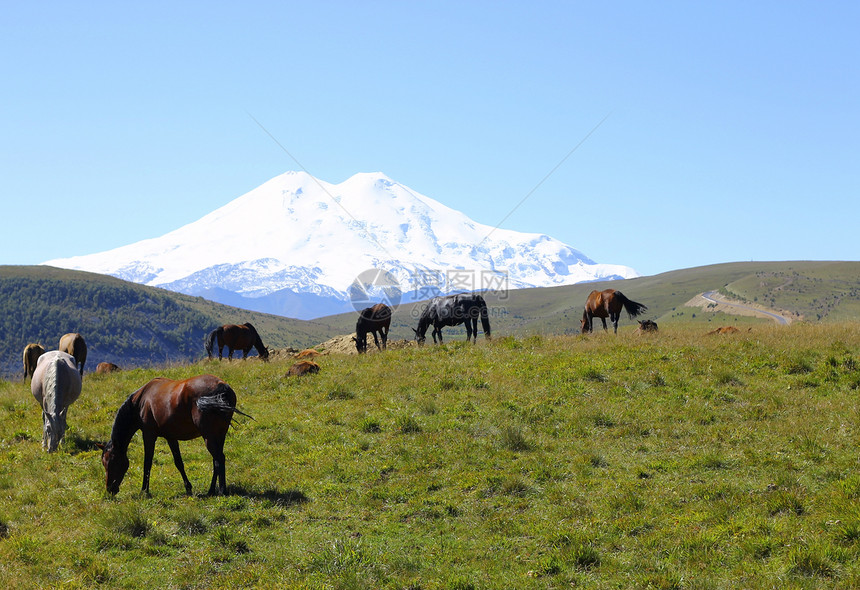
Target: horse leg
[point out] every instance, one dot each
(470, 330)
(215, 446)
(230, 353)
(375, 340)
(220, 351)
(605, 329)
(384, 332)
(437, 330)
(614, 319)
(245, 352)
(177, 460)
(148, 452)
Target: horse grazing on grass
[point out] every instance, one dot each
(235, 337)
(73, 343)
(32, 352)
(56, 385)
(372, 319)
(608, 304)
(103, 368)
(175, 410)
(453, 310)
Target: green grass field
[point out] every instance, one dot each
(674, 460)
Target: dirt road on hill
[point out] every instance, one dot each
(714, 301)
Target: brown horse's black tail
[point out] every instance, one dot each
(218, 403)
(632, 308)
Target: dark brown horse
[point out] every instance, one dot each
(372, 319)
(32, 352)
(608, 304)
(235, 337)
(73, 343)
(175, 410)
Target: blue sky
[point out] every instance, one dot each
(730, 130)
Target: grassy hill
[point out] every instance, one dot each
(133, 325)
(670, 460)
(122, 322)
(815, 291)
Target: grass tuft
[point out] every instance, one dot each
(513, 439)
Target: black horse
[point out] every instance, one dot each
(372, 319)
(453, 310)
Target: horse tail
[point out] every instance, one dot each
(632, 308)
(485, 316)
(222, 402)
(209, 341)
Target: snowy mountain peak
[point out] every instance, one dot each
(312, 239)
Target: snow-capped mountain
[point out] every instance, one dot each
(295, 246)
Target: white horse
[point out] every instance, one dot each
(56, 384)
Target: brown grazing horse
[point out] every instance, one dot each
(300, 368)
(372, 319)
(608, 304)
(103, 368)
(175, 410)
(32, 352)
(73, 343)
(235, 337)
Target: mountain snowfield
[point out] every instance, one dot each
(295, 245)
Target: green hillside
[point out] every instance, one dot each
(122, 322)
(816, 291)
(133, 325)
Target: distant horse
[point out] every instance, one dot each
(453, 310)
(73, 343)
(56, 385)
(103, 368)
(372, 319)
(646, 326)
(235, 337)
(300, 368)
(175, 410)
(608, 304)
(32, 352)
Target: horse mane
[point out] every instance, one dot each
(258, 342)
(425, 319)
(125, 424)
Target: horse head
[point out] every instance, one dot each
(419, 337)
(116, 466)
(360, 342)
(54, 430)
(584, 327)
